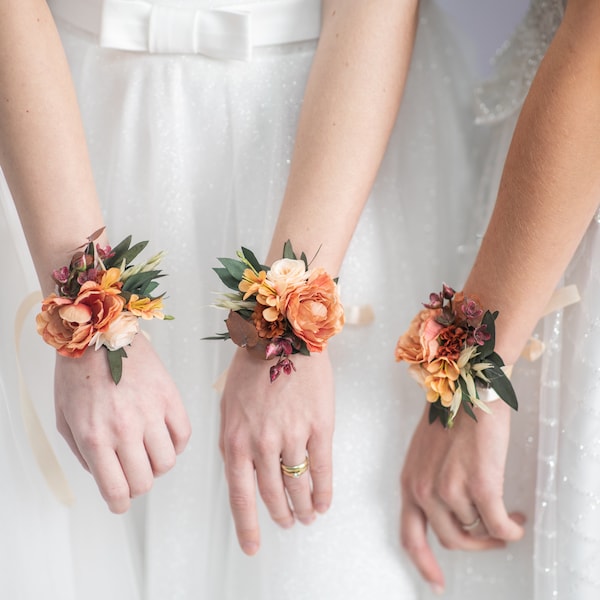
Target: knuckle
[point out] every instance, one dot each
(410, 545)
(266, 446)
(164, 464)
(117, 498)
(235, 445)
(448, 491)
(422, 491)
(448, 543)
(140, 488)
(239, 501)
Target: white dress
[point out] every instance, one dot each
(192, 153)
(553, 470)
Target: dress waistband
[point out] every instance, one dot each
(163, 28)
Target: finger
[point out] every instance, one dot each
(321, 472)
(160, 450)
(178, 424)
(298, 487)
(242, 499)
(63, 428)
(272, 490)
(451, 534)
(108, 473)
(497, 520)
(413, 530)
(136, 467)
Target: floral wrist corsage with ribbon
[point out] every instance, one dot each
(99, 298)
(280, 310)
(450, 348)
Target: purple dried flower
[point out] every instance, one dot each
(61, 275)
(481, 335)
(447, 292)
(471, 309)
(435, 301)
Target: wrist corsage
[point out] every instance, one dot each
(279, 310)
(450, 349)
(99, 298)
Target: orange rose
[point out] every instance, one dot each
(65, 326)
(314, 310)
(69, 325)
(419, 344)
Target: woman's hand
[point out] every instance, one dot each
(453, 479)
(124, 434)
(263, 423)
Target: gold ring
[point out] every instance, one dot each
(472, 525)
(296, 470)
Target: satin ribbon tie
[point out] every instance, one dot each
(228, 33)
(166, 29)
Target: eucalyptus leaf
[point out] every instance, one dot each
(505, 390)
(115, 363)
(251, 258)
(235, 268)
(231, 282)
(288, 251)
(119, 251)
(137, 283)
(132, 253)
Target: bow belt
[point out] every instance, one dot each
(163, 28)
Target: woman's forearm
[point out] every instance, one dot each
(42, 147)
(550, 187)
(350, 106)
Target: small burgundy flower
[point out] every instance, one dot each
(480, 335)
(106, 252)
(435, 301)
(279, 346)
(471, 309)
(283, 364)
(61, 275)
(89, 275)
(447, 292)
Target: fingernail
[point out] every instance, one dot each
(437, 589)
(250, 548)
(321, 508)
(307, 520)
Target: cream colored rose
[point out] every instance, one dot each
(120, 332)
(286, 274)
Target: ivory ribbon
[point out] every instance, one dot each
(42, 450)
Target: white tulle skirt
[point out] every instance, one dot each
(193, 154)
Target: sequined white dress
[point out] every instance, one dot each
(553, 471)
(192, 153)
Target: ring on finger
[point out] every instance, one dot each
(471, 526)
(295, 470)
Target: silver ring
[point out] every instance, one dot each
(472, 525)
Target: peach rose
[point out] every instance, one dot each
(119, 333)
(69, 325)
(65, 326)
(441, 383)
(314, 310)
(419, 344)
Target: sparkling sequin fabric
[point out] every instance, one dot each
(553, 470)
(193, 153)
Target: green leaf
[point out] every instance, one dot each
(495, 359)
(304, 260)
(115, 363)
(137, 283)
(235, 268)
(219, 336)
(488, 347)
(119, 250)
(502, 385)
(251, 258)
(131, 254)
(231, 282)
(288, 251)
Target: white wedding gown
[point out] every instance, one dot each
(192, 153)
(553, 471)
